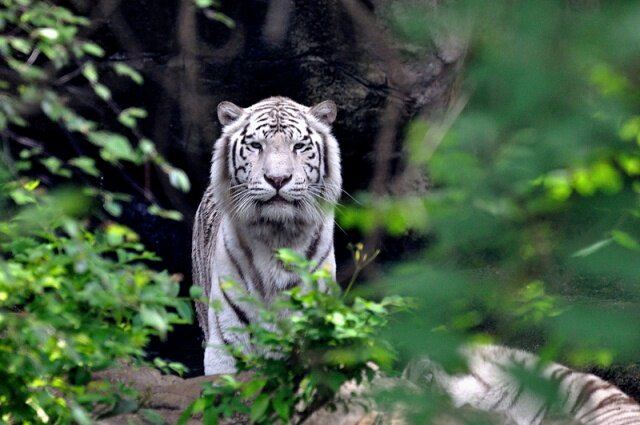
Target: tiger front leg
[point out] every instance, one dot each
(217, 357)
(217, 360)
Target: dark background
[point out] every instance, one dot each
(306, 50)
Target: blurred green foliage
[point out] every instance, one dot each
(72, 301)
(45, 64)
(534, 213)
(77, 294)
(300, 360)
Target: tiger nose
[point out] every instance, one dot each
(277, 181)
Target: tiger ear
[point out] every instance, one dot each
(228, 112)
(325, 112)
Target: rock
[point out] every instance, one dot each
(168, 396)
(165, 395)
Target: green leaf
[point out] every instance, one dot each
(161, 212)
(136, 112)
(337, 318)
(50, 34)
(253, 387)
(210, 416)
(196, 291)
(29, 72)
(86, 164)
(31, 185)
(21, 197)
(80, 415)
(113, 208)
(93, 49)
(220, 17)
(55, 166)
(179, 179)
(147, 147)
(102, 91)
(153, 318)
(90, 72)
(128, 117)
(289, 256)
(607, 80)
(124, 405)
(335, 380)
(184, 311)
(127, 71)
(204, 3)
(115, 147)
(196, 407)
(624, 239)
(52, 109)
(127, 121)
(20, 44)
(282, 404)
(584, 252)
(259, 407)
(5, 49)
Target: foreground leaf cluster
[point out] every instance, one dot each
(77, 293)
(73, 301)
(308, 344)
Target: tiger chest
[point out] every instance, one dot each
(252, 268)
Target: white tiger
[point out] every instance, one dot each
(489, 386)
(275, 178)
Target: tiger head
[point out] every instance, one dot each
(277, 161)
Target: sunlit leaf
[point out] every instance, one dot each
(102, 91)
(127, 71)
(179, 179)
(86, 164)
(93, 49)
(584, 252)
(259, 406)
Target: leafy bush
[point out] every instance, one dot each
(46, 64)
(77, 294)
(301, 360)
(533, 214)
(73, 301)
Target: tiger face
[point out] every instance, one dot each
(277, 161)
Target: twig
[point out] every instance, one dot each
(32, 58)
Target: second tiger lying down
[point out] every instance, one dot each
(490, 386)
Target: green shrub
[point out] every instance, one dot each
(73, 301)
(533, 215)
(302, 359)
(77, 294)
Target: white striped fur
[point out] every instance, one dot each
(275, 178)
(488, 385)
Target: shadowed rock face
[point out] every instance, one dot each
(168, 396)
(306, 50)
